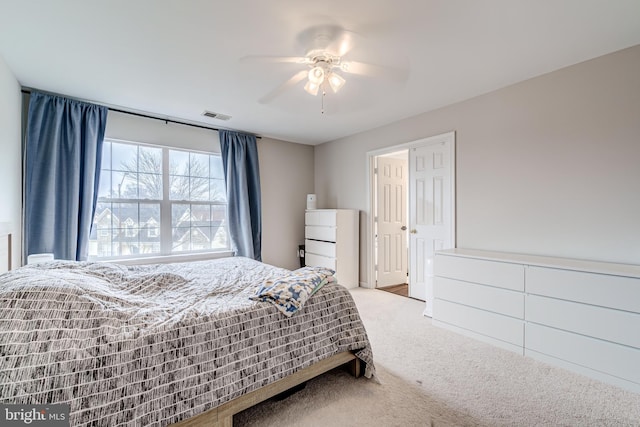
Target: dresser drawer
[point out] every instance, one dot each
(622, 293)
(492, 325)
(617, 360)
(313, 260)
(328, 234)
(492, 273)
(501, 301)
(622, 327)
(320, 217)
(320, 248)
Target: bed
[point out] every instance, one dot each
(168, 343)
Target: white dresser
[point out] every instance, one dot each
(331, 240)
(579, 315)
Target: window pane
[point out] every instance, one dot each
(199, 165)
(200, 215)
(217, 190)
(201, 239)
(181, 239)
(178, 187)
(215, 167)
(219, 227)
(150, 160)
(200, 227)
(149, 214)
(125, 222)
(180, 215)
(124, 185)
(124, 229)
(178, 175)
(105, 184)
(100, 238)
(182, 218)
(199, 188)
(150, 186)
(124, 157)
(149, 228)
(220, 240)
(178, 162)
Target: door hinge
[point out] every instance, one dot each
(375, 171)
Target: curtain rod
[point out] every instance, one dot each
(133, 113)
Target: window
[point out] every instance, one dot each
(158, 201)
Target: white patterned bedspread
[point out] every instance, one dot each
(153, 345)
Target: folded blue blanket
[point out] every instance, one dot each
(289, 293)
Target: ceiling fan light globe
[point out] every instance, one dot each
(311, 88)
(316, 75)
(336, 82)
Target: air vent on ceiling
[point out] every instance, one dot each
(218, 116)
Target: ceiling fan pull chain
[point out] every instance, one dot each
(323, 94)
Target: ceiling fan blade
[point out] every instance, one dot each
(342, 43)
(330, 38)
(268, 58)
(374, 70)
(300, 75)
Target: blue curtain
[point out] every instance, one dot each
(62, 167)
(242, 177)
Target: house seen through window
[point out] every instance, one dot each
(158, 201)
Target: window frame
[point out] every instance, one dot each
(164, 228)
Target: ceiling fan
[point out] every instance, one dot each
(324, 65)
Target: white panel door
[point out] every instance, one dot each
(431, 205)
(391, 221)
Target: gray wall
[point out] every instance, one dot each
(549, 166)
(11, 158)
(286, 175)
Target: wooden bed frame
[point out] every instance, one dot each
(222, 416)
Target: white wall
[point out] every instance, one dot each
(11, 158)
(549, 166)
(286, 176)
(140, 129)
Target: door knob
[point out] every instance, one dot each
(413, 231)
(403, 228)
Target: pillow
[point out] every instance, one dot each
(291, 292)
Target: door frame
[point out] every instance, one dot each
(371, 182)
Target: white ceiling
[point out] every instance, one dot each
(178, 58)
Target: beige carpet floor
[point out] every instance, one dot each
(428, 376)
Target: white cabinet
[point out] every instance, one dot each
(580, 315)
(331, 240)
